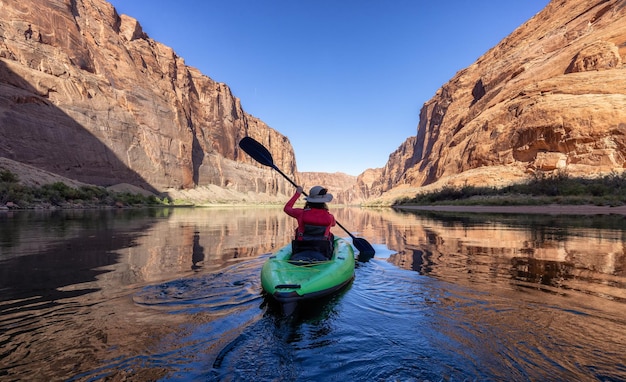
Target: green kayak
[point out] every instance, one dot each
(290, 281)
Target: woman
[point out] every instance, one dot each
(314, 220)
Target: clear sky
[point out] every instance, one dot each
(344, 80)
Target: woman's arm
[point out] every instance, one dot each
(289, 210)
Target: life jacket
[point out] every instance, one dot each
(313, 225)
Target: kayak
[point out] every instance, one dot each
(290, 281)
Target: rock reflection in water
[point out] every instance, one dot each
(555, 254)
(66, 278)
(175, 294)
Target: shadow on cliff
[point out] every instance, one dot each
(36, 132)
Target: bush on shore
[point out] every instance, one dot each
(60, 194)
(609, 190)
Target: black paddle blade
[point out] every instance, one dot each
(257, 151)
(366, 251)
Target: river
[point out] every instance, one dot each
(174, 294)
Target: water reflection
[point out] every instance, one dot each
(166, 294)
(43, 255)
(555, 254)
(197, 255)
(65, 278)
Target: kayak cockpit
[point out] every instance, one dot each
(311, 251)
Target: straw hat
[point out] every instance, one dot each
(319, 194)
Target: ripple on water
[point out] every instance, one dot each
(221, 292)
(207, 311)
(378, 282)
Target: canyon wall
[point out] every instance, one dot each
(549, 97)
(336, 183)
(86, 94)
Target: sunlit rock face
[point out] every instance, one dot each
(90, 96)
(549, 97)
(86, 94)
(336, 183)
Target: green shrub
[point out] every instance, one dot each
(542, 189)
(16, 193)
(7, 176)
(137, 199)
(60, 194)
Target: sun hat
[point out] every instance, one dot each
(319, 194)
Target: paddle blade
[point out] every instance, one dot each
(257, 151)
(366, 251)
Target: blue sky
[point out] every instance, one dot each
(344, 80)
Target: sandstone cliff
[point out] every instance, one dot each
(89, 96)
(549, 97)
(86, 94)
(363, 187)
(336, 183)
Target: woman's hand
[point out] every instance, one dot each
(299, 189)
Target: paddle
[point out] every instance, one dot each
(259, 153)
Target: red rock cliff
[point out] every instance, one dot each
(90, 96)
(551, 96)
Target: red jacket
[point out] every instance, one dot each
(309, 217)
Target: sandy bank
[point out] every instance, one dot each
(551, 209)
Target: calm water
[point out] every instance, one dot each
(175, 295)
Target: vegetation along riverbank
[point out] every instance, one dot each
(542, 194)
(15, 195)
(541, 191)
